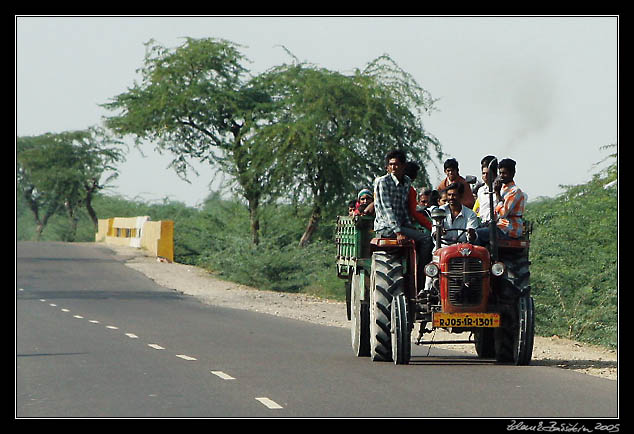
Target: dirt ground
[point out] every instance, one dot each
(187, 279)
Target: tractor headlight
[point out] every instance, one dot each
(498, 269)
(431, 270)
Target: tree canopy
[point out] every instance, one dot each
(295, 129)
(62, 171)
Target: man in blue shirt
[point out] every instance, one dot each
(392, 218)
(458, 216)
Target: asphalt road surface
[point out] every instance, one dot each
(94, 338)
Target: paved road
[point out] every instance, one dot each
(95, 338)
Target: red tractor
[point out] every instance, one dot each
(469, 288)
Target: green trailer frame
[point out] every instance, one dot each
(353, 244)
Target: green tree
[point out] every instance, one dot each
(63, 171)
(196, 102)
(331, 131)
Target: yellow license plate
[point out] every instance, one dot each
(466, 319)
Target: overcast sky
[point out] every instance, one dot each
(540, 90)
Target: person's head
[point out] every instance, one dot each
(434, 198)
(455, 190)
(423, 197)
(506, 169)
(365, 197)
(442, 198)
(411, 169)
(451, 169)
(351, 206)
(484, 164)
(395, 162)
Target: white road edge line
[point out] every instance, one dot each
(222, 375)
(269, 403)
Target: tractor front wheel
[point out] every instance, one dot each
(360, 318)
(400, 330)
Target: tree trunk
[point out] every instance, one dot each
(35, 209)
(91, 211)
(73, 219)
(255, 219)
(313, 223)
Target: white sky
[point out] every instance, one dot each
(540, 90)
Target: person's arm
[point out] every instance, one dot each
(467, 197)
(510, 201)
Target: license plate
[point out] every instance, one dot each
(466, 319)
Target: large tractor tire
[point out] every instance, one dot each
(514, 339)
(386, 279)
(485, 342)
(400, 330)
(360, 318)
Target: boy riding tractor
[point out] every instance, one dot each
(468, 288)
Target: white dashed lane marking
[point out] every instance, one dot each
(184, 357)
(222, 375)
(269, 403)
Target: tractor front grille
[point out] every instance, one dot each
(465, 281)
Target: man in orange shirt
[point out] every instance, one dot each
(509, 205)
(451, 170)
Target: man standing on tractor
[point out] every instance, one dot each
(391, 192)
(453, 175)
(509, 205)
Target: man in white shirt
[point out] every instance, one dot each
(482, 206)
(458, 217)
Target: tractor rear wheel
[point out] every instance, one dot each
(386, 279)
(514, 339)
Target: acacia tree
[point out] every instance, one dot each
(331, 131)
(196, 102)
(63, 171)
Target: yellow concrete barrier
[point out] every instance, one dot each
(140, 232)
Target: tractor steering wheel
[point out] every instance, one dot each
(452, 241)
